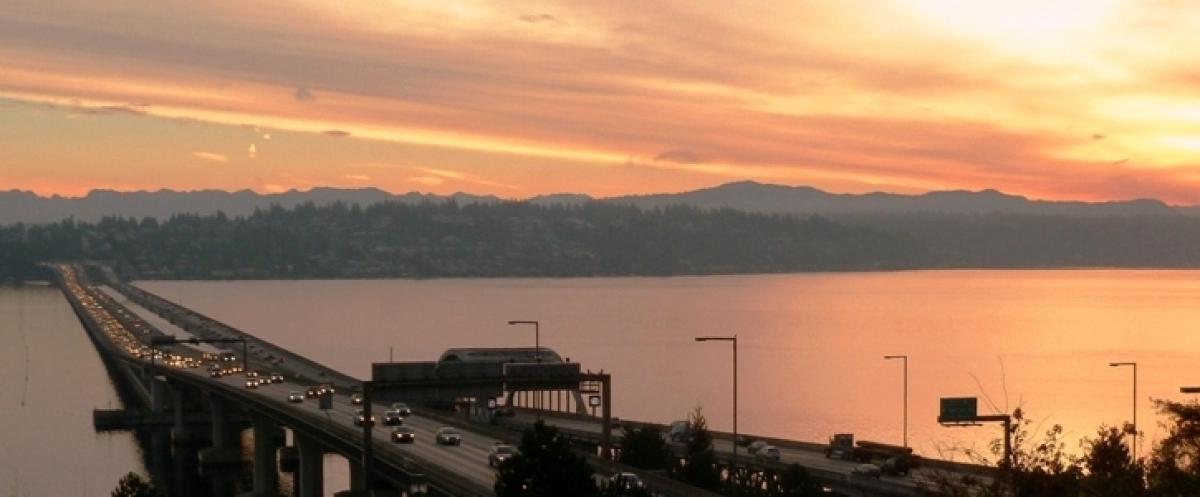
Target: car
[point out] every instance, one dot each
(755, 446)
(276, 378)
(626, 481)
(392, 417)
(500, 453)
(356, 399)
(327, 388)
(402, 408)
(312, 392)
(360, 417)
(867, 470)
(216, 374)
(768, 453)
(295, 397)
(448, 436)
(404, 435)
(251, 383)
(252, 374)
(214, 367)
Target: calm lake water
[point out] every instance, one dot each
(50, 380)
(810, 365)
(811, 346)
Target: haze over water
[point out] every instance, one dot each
(811, 345)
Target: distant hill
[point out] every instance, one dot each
(779, 199)
(22, 206)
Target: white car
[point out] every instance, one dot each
(768, 453)
(758, 445)
(867, 471)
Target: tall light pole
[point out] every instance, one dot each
(537, 340)
(1133, 448)
(733, 462)
(905, 358)
(537, 357)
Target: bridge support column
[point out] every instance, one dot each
(310, 479)
(266, 432)
(222, 452)
(157, 401)
(358, 478)
(180, 432)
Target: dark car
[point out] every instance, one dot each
(402, 408)
(404, 435)
(500, 453)
(392, 418)
(312, 392)
(360, 418)
(626, 481)
(448, 436)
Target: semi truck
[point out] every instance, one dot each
(892, 459)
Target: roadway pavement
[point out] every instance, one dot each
(468, 460)
(724, 448)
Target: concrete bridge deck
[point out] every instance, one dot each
(117, 311)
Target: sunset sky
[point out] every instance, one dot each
(1089, 99)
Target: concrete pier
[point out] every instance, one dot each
(310, 479)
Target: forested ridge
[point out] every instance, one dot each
(521, 239)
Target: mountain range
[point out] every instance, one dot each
(23, 206)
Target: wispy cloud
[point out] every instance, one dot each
(357, 177)
(427, 180)
(917, 95)
(464, 177)
(211, 156)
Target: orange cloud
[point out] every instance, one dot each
(212, 157)
(923, 94)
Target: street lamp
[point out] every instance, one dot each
(537, 340)
(1134, 434)
(732, 339)
(905, 359)
(537, 357)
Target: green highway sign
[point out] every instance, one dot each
(958, 409)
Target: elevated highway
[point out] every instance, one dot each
(122, 319)
(169, 382)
